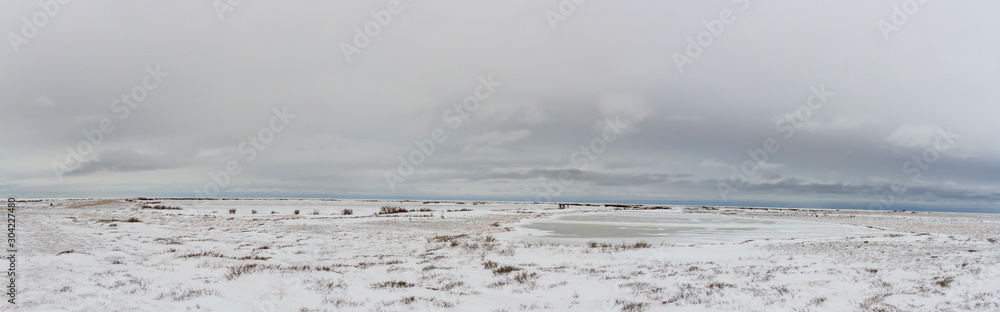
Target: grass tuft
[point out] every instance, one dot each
(505, 269)
(392, 284)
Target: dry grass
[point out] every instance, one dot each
(392, 210)
(178, 294)
(505, 269)
(161, 207)
(525, 277)
(216, 254)
(168, 241)
(392, 284)
(631, 306)
(622, 246)
(944, 281)
(489, 265)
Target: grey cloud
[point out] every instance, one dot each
(123, 160)
(608, 60)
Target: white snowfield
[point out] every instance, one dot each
(85, 255)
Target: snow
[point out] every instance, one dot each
(202, 258)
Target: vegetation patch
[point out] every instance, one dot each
(161, 207)
(392, 284)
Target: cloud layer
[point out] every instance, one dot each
(561, 74)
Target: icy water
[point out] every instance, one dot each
(673, 227)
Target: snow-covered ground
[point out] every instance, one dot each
(82, 255)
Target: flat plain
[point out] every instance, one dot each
(309, 255)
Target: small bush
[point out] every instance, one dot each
(236, 271)
(392, 284)
(446, 238)
(392, 209)
(347, 212)
(636, 245)
(632, 306)
(178, 294)
(168, 241)
(490, 265)
(525, 277)
(720, 285)
(160, 207)
(232, 211)
(315, 212)
(253, 211)
(132, 219)
(817, 301)
(505, 269)
(944, 281)
(641, 244)
(203, 254)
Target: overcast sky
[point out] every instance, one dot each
(642, 101)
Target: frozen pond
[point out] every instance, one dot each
(675, 227)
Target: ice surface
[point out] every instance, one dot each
(675, 227)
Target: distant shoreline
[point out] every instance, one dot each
(907, 209)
